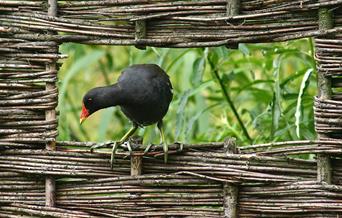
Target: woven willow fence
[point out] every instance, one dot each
(40, 177)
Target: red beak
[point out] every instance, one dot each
(84, 114)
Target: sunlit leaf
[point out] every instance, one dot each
(303, 86)
(180, 112)
(81, 64)
(244, 49)
(104, 124)
(198, 68)
(276, 102)
(196, 117)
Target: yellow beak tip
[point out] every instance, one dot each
(81, 120)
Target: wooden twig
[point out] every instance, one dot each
(50, 115)
(324, 83)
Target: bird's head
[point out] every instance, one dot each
(99, 98)
(90, 104)
(84, 113)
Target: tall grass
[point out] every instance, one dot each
(270, 86)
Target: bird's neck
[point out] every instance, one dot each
(110, 96)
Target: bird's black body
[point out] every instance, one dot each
(147, 91)
(143, 92)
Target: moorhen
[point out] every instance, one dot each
(143, 92)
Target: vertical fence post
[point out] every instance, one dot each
(136, 165)
(230, 191)
(136, 170)
(50, 186)
(232, 9)
(136, 161)
(324, 84)
(140, 32)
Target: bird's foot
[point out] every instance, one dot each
(115, 147)
(128, 146)
(107, 144)
(181, 146)
(167, 152)
(148, 147)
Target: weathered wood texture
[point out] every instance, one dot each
(269, 182)
(190, 184)
(230, 190)
(170, 23)
(50, 115)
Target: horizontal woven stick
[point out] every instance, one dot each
(196, 163)
(44, 211)
(210, 145)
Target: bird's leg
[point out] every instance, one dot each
(122, 140)
(127, 144)
(162, 136)
(181, 146)
(147, 148)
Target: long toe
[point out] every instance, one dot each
(130, 150)
(101, 145)
(147, 148)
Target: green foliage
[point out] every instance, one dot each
(270, 85)
(303, 87)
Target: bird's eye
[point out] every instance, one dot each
(89, 99)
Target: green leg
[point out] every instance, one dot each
(147, 148)
(122, 140)
(162, 136)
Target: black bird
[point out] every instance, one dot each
(143, 92)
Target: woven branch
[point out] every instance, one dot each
(191, 184)
(171, 24)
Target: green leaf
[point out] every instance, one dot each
(182, 102)
(195, 118)
(180, 112)
(255, 82)
(155, 51)
(104, 123)
(276, 102)
(244, 49)
(214, 56)
(198, 68)
(163, 56)
(81, 64)
(291, 78)
(303, 86)
(194, 91)
(176, 59)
